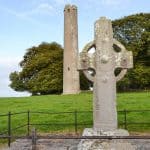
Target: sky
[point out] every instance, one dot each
(27, 23)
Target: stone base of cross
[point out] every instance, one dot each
(109, 55)
(107, 144)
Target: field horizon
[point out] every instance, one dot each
(70, 103)
(28, 102)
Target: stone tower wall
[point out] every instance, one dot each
(70, 73)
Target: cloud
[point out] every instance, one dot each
(8, 65)
(8, 62)
(111, 3)
(114, 2)
(43, 8)
(62, 2)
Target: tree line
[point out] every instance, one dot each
(42, 66)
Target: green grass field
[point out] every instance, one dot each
(65, 103)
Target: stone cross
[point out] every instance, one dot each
(109, 54)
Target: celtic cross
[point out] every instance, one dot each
(109, 54)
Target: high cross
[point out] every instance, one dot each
(109, 55)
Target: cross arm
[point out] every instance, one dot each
(124, 60)
(86, 61)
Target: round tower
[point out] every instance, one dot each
(70, 74)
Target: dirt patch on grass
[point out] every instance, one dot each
(3, 146)
(140, 133)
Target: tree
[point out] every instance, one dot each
(134, 32)
(42, 69)
(17, 83)
(84, 82)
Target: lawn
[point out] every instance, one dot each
(70, 103)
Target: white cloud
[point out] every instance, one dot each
(114, 2)
(7, 62)
(8, 65)
(62, 2)
(43, 8)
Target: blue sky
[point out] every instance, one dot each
(26, 23)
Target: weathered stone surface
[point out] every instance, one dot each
(109, 55)
(117, 132)
(70, 73)
(53, 144)
(105, 114)
(100, 144)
